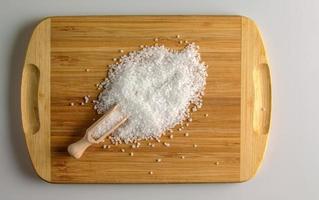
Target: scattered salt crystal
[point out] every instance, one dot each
(71, 104)
(154, 87)
(86, 99)
(166, 144)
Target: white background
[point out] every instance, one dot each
(291, 166)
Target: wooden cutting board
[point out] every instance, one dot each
(231, 140)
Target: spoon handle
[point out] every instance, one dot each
(77, 149)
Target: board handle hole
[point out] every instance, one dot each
(262, 100)
(32, 77)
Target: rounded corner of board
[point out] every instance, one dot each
(42, 175)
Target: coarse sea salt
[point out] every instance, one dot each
(153, 87)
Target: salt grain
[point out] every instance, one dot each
(86, 99)
(166, 144)
(71, 104)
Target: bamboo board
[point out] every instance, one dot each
(231, 140)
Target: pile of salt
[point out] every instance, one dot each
(154, 87)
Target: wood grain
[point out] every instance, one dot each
(80, 43)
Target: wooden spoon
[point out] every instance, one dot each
(93, 133)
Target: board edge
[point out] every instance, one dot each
(254, 127)
(37, 60)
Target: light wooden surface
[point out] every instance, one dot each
(231, 140)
